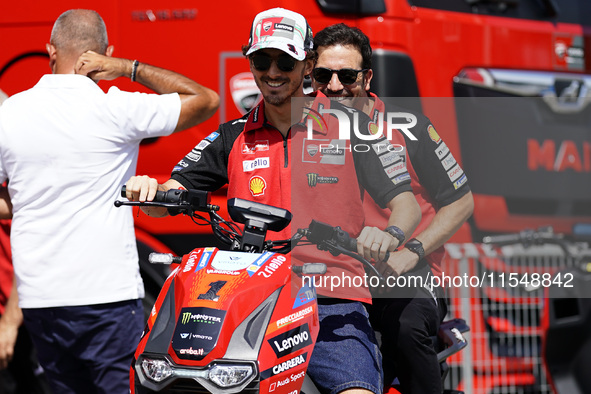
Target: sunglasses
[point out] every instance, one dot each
(347, 76)
(284, 63)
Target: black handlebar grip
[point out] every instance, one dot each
(349, 242)
(160, 196)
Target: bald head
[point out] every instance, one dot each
(78, 31)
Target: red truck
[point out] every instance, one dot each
(506, 82)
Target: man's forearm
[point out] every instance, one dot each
(5, 204)
(198, 102)
(446, 222)
(13, 313)
(405, 213)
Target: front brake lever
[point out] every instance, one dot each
(334, 248)
(180, 208)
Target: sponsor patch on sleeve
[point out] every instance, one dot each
(212, 136)
(401, 178)
(460, 182)
(448, 162)
(455, 173)
(441, 150)
(389, 159)
(396, 169)
(202, 144)
(433, 134)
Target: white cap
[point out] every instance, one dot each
(281, 29)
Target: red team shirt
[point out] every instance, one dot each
(319, 178)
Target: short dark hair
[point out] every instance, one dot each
(341, 34)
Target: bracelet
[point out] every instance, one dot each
(134, 70)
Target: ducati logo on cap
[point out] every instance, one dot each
(267, 25)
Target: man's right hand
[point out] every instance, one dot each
(143, 188)
(101, 67)
(8, 335)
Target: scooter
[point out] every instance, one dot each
(240, 320)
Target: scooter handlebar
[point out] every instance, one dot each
(176, 200)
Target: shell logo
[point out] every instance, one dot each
(433, 134)
(373, 128)
(257, 186)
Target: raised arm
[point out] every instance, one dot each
(198, 103)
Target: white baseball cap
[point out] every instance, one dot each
(281, 29)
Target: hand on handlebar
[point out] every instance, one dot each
(374, 243)
(141, 188)
(399, 263)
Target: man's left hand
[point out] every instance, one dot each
(373, 243)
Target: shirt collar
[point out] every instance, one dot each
(378, 106)
(61, 81)
(256, 118)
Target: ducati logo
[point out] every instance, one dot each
(312, 149)
(244, 91)
(267, 25)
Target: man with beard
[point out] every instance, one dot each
(407, 317)
(260, 158)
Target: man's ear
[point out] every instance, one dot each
(109, 51)
(52, 52)
(367, 79)
(309, 66)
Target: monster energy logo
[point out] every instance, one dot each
(188, 316)
(314, 179)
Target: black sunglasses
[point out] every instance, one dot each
(284, 63)
(347, 76)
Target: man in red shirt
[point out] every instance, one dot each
(408, 317)
(266, 157)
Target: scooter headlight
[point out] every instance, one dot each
(156, 370)
(228, 375)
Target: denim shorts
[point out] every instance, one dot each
(346, 354)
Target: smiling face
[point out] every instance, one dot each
(337, 57)
(278, 86)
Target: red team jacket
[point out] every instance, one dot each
(321, 178)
